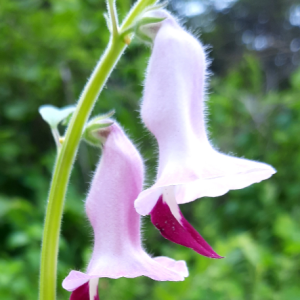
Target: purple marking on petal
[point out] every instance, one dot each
(183, 234)
(96, 297)
(83, 293)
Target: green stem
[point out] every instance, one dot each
(67, 154)
(56, 137)
(113, 17)
(135, 11)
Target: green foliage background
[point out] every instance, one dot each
(47, 51)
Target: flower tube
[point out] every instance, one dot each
(117, 250)
(173, 109)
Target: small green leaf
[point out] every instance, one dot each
(54, 115)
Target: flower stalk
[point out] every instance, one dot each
(67, 153)
(113, 18)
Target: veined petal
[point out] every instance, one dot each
(179, 231)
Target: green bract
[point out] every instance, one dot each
(91, 132)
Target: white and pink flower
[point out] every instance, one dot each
(118, 251)
(173, 109)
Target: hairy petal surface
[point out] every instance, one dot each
(117, 249)
(173, 109)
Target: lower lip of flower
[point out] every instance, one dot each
(168, 219)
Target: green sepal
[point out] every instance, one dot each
(157, 6)
(144, 37)
(91, 132)
(149, 20)
(141, 22)
(147, 4)
(102, 117)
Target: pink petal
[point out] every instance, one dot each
(78, 279)
(183, 234)
(177, 266)
(135, 264)
(173, 109)
(230, 173)
(118, 250)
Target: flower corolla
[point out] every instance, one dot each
(118, 251)
(173, 109)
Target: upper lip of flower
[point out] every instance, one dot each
(173, 110)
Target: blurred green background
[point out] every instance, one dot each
(47, 51)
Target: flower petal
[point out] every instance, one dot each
(84, 292)
(81, 293)
(133, 264)
(174, 265)
(173, 109)
(230, 173)
(183, 234)
(118, 250)
(74, 280)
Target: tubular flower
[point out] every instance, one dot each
(109, 206)
(173, 110)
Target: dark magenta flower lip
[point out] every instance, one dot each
(183, 234)
(83, 292)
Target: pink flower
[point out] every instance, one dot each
(117, 238)
(173, 109)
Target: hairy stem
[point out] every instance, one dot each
(113, 17)
(67, 154)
